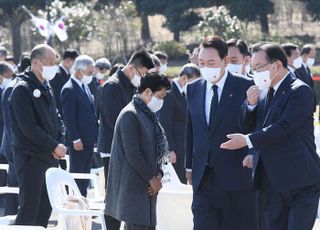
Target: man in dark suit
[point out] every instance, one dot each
(63, 74)
(11, 200)
(173, 117)
(279, 121)
(308, 55)
(80, 119)
(116, 93)
(6, 73)
(35, 135)
(223, 195)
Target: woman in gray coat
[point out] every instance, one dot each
(138, 150)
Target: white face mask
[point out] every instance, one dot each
(155, 104)
(310, 61)
(49, 72)
(297, 63)
(235, 68)
(99, 76)
(6, 81)
(136, 80)
(210, 74)
(262, 80)
(163, 68)
(86, 79)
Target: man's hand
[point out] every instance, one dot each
(248, 161)
(172, 157)
(78, 146)
(193, 58)
(237, 141)
(189, 177)
(60, 151)
(155, 186)
(253, 95)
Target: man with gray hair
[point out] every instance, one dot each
(173, 117)
(80, 119)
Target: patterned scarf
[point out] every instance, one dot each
(160, 137)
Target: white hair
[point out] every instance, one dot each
(83, 62)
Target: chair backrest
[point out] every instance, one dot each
(170, 177)
(60, 184)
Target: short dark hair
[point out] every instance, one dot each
(274, 52)
(141, 59)
(217, 43)
(190, 70)
(240, 44)
(161, 55)
(155, 82)
(24, 62)
(115, 68)
(70, 53)
(306, 49)
(5, 67)
(288, 47)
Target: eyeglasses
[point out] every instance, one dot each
(258, 69)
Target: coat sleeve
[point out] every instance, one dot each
(247, 118)
(110, 107)
(130, 136)
(291, 119)
(166, 117)
(22, 108)
(189, 143)
(68, 106)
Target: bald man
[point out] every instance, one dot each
(36, 135)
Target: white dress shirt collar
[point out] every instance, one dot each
(175, 80)
(77, 80)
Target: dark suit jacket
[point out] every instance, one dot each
(173, 118)
(202, 140)
(78, 115)
(1, 116)
(283, 139)
(57, 83)
(303, 74)
(6, 149)
(33, 118)
(116, 93)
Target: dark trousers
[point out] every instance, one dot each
(35, 208)
(111, 223)
(11, 200)
(216, 209)
(80, 162)
(179, 167)
(129, 226)
(295, 210)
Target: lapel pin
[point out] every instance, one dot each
(36, 93)
(283, 92)
(231, 95)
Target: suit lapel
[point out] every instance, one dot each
(226, 99)
(198, 103)
(80, 91)
(179, 97)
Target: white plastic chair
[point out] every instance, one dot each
(9, 219)
(177, 198)
(56, 181)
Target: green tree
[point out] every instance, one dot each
(220, 23)
(252, 10)
(12, 16)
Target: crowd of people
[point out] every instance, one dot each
(236, 123)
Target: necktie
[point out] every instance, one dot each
(214, 105)
(269, 99)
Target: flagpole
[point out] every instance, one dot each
(49, 20)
